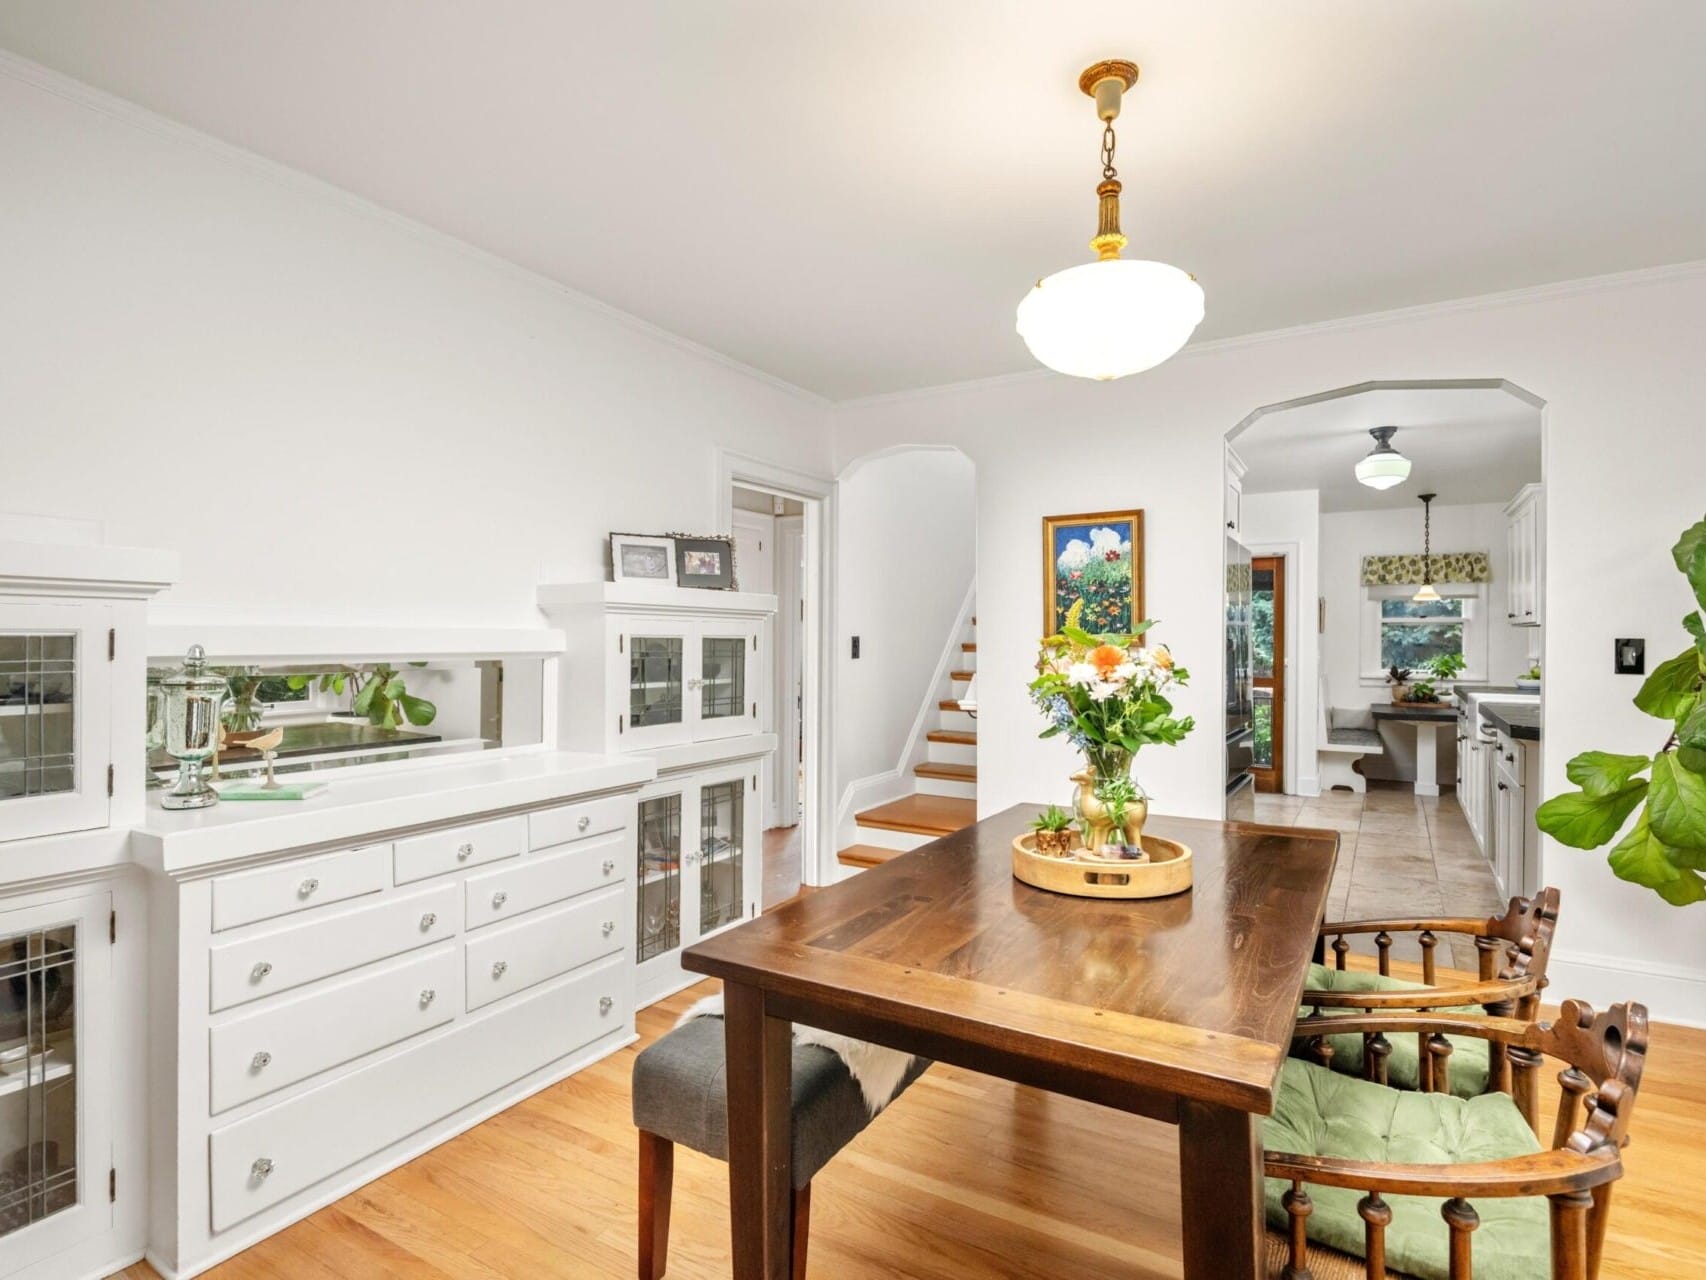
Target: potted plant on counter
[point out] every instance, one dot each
(1399, 679)
(1054, 831)
(1665, 849)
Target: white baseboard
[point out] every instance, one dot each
(1670, 992)
(867, 793)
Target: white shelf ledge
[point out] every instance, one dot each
(253, 644)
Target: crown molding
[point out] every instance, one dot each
(33, 74)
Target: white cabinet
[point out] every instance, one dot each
(699, 868)
(56, 1090)
(1513, 847)
(54, 695)
(686, 680)
(1525, 557)
(1234, 499)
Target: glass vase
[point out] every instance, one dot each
(1095, 820)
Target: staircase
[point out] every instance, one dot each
(944, 785)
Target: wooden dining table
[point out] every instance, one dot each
(1179, 1009)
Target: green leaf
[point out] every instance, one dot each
(1690, 556)
(1670, 683)
(363, 704)
(1642, 858)
(417, 710)
(395, 688)
(1079, 636)
(1676, 806)
(1696, 628)
(1585, 821)
(1600, 773)
(297, 682)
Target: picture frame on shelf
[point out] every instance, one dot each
(1096, 558)
(705, 563)
(639, 557)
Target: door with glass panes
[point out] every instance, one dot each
(686, 682)
(55, 1100)
(699, 867)
(53, 718)
(725, 704)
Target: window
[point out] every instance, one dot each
(1399, 632)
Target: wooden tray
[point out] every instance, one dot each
(1168, 870)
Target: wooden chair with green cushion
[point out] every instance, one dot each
(1366, 1181)
(1512, 951)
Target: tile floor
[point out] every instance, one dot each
(1400, 854)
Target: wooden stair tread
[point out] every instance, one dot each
(866, 855)
(961, 675)
(948, 704)
(951, 772)
(921, 815)
(958, 737)
(969, 648)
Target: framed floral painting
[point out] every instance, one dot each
(1096, 558)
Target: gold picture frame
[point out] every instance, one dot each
(1081, 559)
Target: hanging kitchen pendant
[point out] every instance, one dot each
(1427, 594)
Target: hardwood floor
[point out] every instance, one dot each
(964, 1178)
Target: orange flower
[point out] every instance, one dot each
(1105, 658)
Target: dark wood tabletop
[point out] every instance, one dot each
(1411, 711)
(1180, 1008)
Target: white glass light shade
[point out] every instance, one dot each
(1426, 595)
(1109, 318)
(1383, 469)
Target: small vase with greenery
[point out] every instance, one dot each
(1443, 668)
(1665, 849)
(1053, 827)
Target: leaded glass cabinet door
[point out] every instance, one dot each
(53, 719)
(655, 710)
(658, 883)
(55, 1139)
(723, 854)
(725, 692)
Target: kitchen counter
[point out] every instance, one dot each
(1520, 720)
(367, 805)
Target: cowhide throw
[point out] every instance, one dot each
(877, 1071)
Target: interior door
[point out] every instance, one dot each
(1267, 663)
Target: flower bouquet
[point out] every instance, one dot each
(1107, 694)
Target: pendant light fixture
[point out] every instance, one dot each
(1427, 594)
(1384, 466)
(1114, 316)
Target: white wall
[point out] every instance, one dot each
(908, 550)
(1618, 364)
(334, 415)
(1347, 536)
(1290, 523)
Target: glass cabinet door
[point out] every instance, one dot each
(722, 854)
(656, 711)
(658, 923)
(52, 775)
(727, 698)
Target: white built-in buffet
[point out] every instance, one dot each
(217, 1020)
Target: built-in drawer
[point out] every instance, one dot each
(290, 1040)
(512, 958)
(578, 821)
(281, 1150)
(249, 896)
(333, 942)
(454, 848)
(516, 888)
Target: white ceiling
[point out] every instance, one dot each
(853, 197)
(1477, 444)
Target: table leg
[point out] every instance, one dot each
(1427, 758)
(759, 1052)
(1220, 1186)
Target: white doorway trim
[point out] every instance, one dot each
(790, 658)
(818, 494)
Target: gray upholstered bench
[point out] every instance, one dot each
(681, 1096)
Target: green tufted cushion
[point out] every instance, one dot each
(1319, 1112)
(1468, 1061)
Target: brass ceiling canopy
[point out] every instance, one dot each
(1106, 81)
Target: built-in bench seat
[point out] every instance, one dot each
(1346, 736)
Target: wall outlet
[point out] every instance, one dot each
(1631, 658)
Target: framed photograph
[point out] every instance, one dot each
(1096, 558)
(705, 562)
(638, 557)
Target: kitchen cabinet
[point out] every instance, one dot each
(1234, 499)
(1525, 557)
(1514, 848)
(54, 732)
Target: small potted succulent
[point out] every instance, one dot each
(1053, 827)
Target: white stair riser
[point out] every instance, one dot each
(883, 838)
(968, 661)
(951, 753)
(947, 787)
(957, 720)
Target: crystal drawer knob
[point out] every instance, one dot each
(609, 927)
(609, 865)
(307, 887)
(584, 823)
(428, 995)
(261, 1168)
(464, 852)
(605, 1004)
(428, 920)
(499, 898)
(499, 968)
(260, 971)
(261, 1059)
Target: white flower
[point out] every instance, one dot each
(1105, 540)
(1075, 555)
(1101, 691)
(1122, 673)
(1082, 674)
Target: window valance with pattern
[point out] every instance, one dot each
(1448, 566)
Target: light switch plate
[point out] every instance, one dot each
(1631, 658)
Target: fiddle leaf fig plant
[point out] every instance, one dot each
(379, 693)
(1666, 848)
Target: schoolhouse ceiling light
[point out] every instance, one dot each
(1384, 466)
